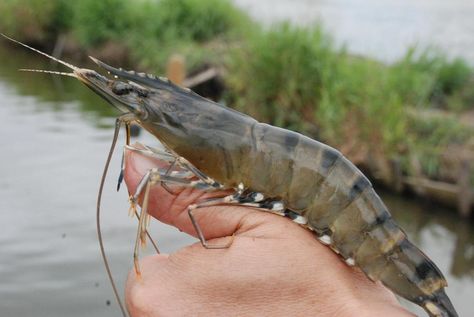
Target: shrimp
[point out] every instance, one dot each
(271, 169)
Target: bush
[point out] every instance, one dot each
(95, 22)
(284, 74)
(452, 76)
(188, 27)
(27, 20)
(414, 77)
(428, 78)
(197, 20)
(431, 136)
(62, 17)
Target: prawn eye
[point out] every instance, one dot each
(120, 88)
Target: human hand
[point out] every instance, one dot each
(274, 267)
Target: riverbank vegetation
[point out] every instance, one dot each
(300, 79)
(149, 30)
(294, 77)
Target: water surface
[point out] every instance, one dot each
(54, 139)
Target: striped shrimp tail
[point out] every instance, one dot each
(440, 305)
(404, 269)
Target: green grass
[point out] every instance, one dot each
(165, 20)
(27, 20)
(431, 136)
(95, 22)
(282, 76)
(151, 30)
(427, 78)
(199, 30)
(196, 20)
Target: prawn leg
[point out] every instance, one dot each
(122, 164)
(157, 154)
(175, 161)
(151, 152)
(251, 199)
(147, 151)
(153, 177)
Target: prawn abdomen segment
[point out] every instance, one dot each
(268, 168)
(315, 161)
(343, 184)
(287, 165)
(353, 222)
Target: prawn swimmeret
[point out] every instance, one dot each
(271, 169)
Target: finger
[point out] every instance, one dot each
(171, 208)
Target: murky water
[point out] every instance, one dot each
(54, 139)
(54, 134)
(383, 29)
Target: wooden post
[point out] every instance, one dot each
(176, 69)
(464, 190)
(417, 173)
(397, 175)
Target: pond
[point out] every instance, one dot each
(55, 134)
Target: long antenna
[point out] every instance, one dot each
(42, 53)
(47, 72)
(118, 124)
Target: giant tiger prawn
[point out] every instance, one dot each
(271, 169)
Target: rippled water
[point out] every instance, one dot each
(54, 140)
(54, 135)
